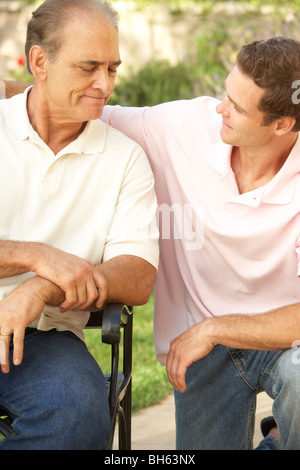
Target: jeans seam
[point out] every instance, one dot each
(239, 366)
(273, 377)
(239, 363)
(251, 422)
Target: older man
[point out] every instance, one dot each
(77, 227)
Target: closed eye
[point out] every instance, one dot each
(237, 108)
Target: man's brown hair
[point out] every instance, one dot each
(274, 65)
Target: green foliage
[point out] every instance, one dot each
(28, 2)
(207, 4)
(154, 83)
(21, 75)
(212, 53)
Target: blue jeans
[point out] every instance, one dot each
(217, 411)
(57, 396)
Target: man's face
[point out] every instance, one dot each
(242, 120)
(81, 78)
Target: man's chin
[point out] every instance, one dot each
(225, 138)
(94, 114)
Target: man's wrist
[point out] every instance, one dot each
(46, 290)
(216, 329)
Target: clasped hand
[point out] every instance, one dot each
(78, 279)
(62, 280)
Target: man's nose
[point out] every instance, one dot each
(104, 83)
(223, 106)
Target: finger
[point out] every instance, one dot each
(102, 289)
(180, 378)
(18, 342)
(176, 367)
(70, 299)
(4, 354)
(87, 291)
(91, 294)
(102, 296)
(84, 299)
(169, 366)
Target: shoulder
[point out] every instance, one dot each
(119, 149)
(201, 106)
(114, 136)
(175, 114)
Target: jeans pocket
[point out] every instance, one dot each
(243, 360)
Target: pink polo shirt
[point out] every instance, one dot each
(221, 252)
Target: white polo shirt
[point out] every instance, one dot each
(221, 252)
(94, 199)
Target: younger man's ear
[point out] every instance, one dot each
(284, 125)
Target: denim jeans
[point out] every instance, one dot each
(57, 396)
(217, 411)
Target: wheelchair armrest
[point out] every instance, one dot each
(111, 318)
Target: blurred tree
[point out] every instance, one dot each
(28, 2)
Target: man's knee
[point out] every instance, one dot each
(85, 431)
(290, 368)
(84, 418)
(69, 421)
(64, 404)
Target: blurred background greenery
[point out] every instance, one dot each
(222, 27)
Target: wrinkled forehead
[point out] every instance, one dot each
(83, 38)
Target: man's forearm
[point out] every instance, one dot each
(15, 257)
(274, 330)
(130, 279)
(49, 292)
(271, 331)
(75, 276)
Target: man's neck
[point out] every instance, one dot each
(253, 168)
(56, 133)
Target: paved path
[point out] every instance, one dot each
(154, 428)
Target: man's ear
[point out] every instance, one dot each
(38, 59)
(284, 125)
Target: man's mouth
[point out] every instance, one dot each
(226, 125)
(97, 98)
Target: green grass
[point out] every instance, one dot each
(149, 383)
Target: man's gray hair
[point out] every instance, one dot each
(46, 25)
